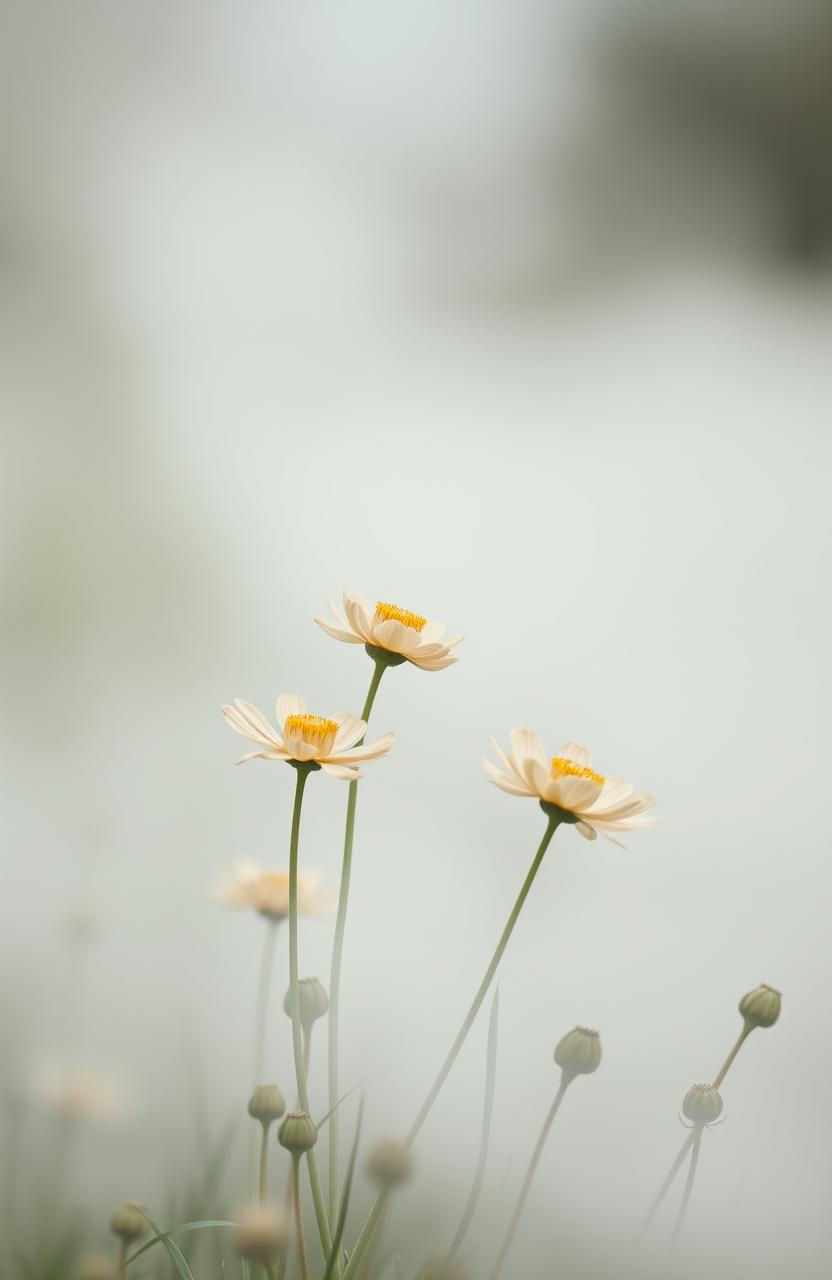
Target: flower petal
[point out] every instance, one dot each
(289, 704)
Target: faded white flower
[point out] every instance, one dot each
(250, 886)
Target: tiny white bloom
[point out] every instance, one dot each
(328, 742)
(415, 639)
(79, 1093)
(247, 885)
(568, 781)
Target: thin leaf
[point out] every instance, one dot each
(162, 1237)
(487, 1110)
(172, 1249)
(345, 1198)
(320, 1123)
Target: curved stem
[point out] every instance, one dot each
(487, 1107)
(337, 954)
(723, 1071)
(527, 1181)
(302, 769)
(666, 1185)
(482, 990)
(683, 1207)
(304, 1265)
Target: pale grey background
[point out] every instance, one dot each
(297, 299)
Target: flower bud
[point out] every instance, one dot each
(314, 1002)
(266, 1103)
(579, 1052)
(702, 1104)
(128, 1223)
(390, 1162)
(298, 1133)
(260, 1234)
(761, 1007)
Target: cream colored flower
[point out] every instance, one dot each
(80, 1094)
(419, 640)
(567, 781)
(330, 743)
(248, 885)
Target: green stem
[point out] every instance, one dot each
(260, 1024)
(369, 1226)
(264, 1164)
(304, 1265)
(303, 769)
(683, 1207)
(666, 1185)
(530, 1172)
(337, 954)
(746, 1030)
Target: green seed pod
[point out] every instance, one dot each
(390, 1162)
(260, 1234)
(761, 1007)
(702, 1104)
(266, 1103)
(579, 1052)
(298, 1133)
(128, 1223)
(314, 1002)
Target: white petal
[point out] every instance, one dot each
(505, 781)
(340, 771)
(289, 704)
(358, 619)
(577, 794)
(350, 730)
(526, 745)
(578, 755)
(339, 633)
(370, 750)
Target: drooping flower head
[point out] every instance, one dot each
(248, 885)
(329, 742)
(568, 782)
(406, 636)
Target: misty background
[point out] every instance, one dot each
(517, 315)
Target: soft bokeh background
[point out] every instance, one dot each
(517, 314)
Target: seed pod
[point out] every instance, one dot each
(298, 1133)
(313, 1000)
(128, 1223)
(266, 1103)
(761, 1007)
(702, 1104)
(579, 1052)
(390, 1162)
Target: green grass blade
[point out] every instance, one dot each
(171, 1248)
(487, 1111)
(319, 1124)
(345, 1198)
(162, 1237)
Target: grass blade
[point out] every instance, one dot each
(164, 1237)
(345, 1198)
(487, 1111)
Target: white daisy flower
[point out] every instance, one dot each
(329, 743)
(248, 885)
(409, 636)
(568, 781)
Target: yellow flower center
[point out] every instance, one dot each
(560, 766)
(392, 613)
(317, 731)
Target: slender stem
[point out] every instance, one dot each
(304, 1265)
(746, 1030)
(302, 769)
(307, 1052)
(264, 1164)
(337, 954)
(372, 1218)
(121, 1264)
(666, 1185)
(683, 1207)
(530, 1172)
(487, 1106)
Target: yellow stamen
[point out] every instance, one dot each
(316, 730)
(561, 766)
(392, 613)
